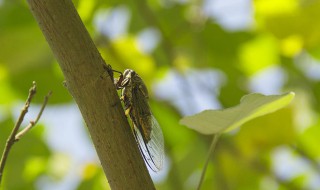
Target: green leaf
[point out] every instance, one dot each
(34, 167)
(250, 107)
(258, 54)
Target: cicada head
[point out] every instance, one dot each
(125, 79)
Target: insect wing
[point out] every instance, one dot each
(152, 151)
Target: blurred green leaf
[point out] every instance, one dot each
(93, 178)
(16, 168)
(35, 166)
(297, 18)
(309, 141)
(124, 52)
(259, 136)
(234, 173)
(251, 106)
(6, 90)
(59, 165)
(258, 54)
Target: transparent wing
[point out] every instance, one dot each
(152, 151)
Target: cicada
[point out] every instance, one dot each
(145, 127)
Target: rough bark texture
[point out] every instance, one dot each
(94, 92)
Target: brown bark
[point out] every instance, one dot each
(94, 92)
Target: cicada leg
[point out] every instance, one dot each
(127, 112)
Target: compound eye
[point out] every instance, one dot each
(126, 73)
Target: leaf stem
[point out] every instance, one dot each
(211, 150)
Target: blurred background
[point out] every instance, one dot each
(193, 55)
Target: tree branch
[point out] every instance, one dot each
(93, 90)
(13, 136)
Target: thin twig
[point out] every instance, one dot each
(313, 162)
(211, 150)
(33, 123)
(151, 19)
(13, 136)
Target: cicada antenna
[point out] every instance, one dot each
(118, 81)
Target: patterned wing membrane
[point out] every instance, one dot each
(152, 151)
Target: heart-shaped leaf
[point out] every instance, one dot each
(250, 107)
